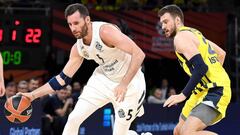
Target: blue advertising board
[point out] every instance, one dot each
(157, 120)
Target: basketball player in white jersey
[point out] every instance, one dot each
(118, 78)
(2, 86)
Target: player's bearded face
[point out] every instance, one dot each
(170, 29)
(168, 25)
(82, 32)
(78, 25)
(173, 30)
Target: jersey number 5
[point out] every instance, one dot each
(129, 114)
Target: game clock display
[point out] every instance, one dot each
(23, 41)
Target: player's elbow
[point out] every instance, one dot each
(141, 55)
(138, 55)
(222, 54)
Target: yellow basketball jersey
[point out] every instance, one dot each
(216, 75)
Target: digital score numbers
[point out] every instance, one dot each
(23, 41)
(32, 35)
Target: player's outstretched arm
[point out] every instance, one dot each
(186, 44)
(114, 37)
(59, 81)
(220, 52)
(2, 86)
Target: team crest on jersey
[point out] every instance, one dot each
(121, 113)
(85, 54)
(98, 46)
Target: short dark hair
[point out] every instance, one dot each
(76, 7)
(173, 9)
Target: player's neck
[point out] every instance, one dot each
(87, 39)
(179, 26)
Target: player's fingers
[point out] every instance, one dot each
(172, 103)
(122, 98)
(1, 93)
(19, 93)
(118, 96)
(116, 93)
(167, 101)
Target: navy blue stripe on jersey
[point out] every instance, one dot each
(137, 113)
(180, 62)
(209, 81)
(201, 82)
(142, 96)
(214, 95)
(200, 89)
(141, 100)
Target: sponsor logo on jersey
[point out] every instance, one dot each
(85, 54)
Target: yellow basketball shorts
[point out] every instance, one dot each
(217, 98)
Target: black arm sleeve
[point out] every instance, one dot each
(199, 70)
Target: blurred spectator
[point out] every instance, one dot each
(164, 88)
(22, 86)
(10, 90)
(69, 91)
(59, 106)
(156, 98)
(33, 84)
(76, 91)
(47, 118)
(171, 91)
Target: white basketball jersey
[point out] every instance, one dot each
(113, 62)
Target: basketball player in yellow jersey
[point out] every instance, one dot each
(209, 84)
(2, 87)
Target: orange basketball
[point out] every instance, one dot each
(18, 109)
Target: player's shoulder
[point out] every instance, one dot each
(180, 36)
(74, 51)
(74, 47)
(183, 40)
(183, 35)
(109, 29)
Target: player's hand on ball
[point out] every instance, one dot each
(120, 92)
(174, 99)
(28, 95)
